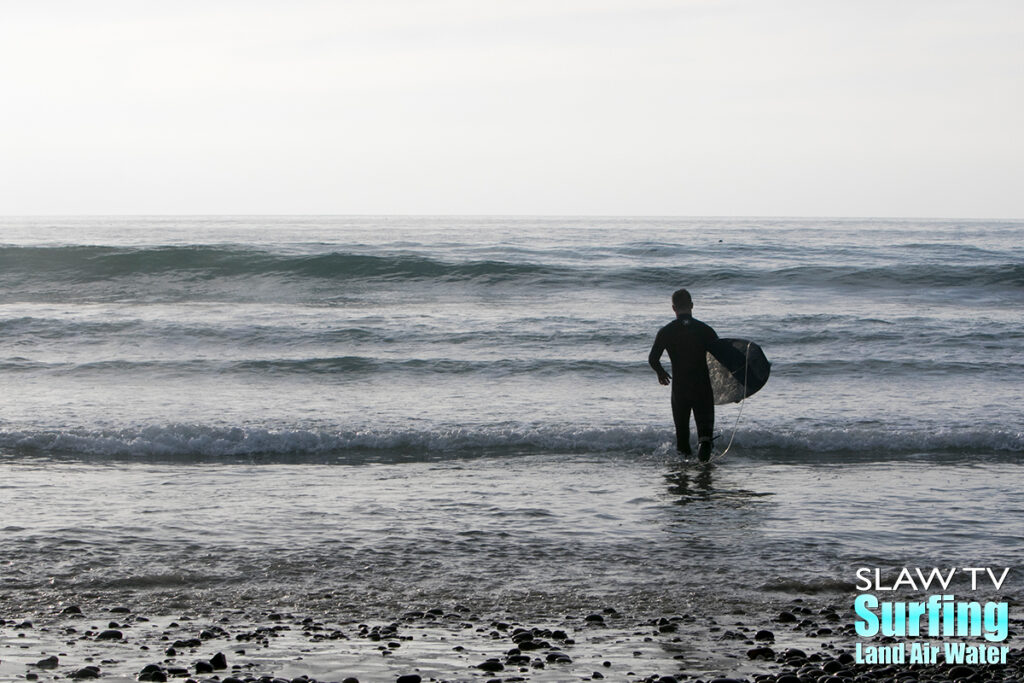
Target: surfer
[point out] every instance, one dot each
(687, 341)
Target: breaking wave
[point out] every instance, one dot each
(189, 441)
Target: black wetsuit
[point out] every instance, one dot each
(687, 341)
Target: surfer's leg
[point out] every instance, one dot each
(681, 416)
(704, 418)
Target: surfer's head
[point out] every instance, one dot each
(681, 301)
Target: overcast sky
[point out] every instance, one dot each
(630, 107)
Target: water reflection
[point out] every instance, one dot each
(692, 483)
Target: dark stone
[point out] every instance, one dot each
(667, 679)
(351, 679)
(190, 643)
(761, 653)
(110, 634)
(409, 678)
(559, 658)
(50, 662)
(219, 661)
(171, 652)
(764, 635)
(86, 672)
(795, 653)
(597, 675)
(203, 667)
(71, 609)
(491, 665)
(786, 618)
(831, 667)
(595, 618)
(960, 671)
(120, 610)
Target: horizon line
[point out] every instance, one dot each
(512, 215)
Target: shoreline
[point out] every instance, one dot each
(803, 642)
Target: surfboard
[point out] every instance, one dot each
(738, 369)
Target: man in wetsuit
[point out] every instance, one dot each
(687, 341)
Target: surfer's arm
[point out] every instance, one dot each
(655, 360)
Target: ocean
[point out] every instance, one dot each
(394, 413)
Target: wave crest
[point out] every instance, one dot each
(397, 445)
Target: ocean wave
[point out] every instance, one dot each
(364, 366)
(49, 267)
(574, 332)
(356, 366)
(202, 442)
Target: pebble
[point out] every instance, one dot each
(491, 665)
(110, 634)
(86, 672)
(50, 662)
(960, 671)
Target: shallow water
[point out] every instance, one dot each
(541, 534)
